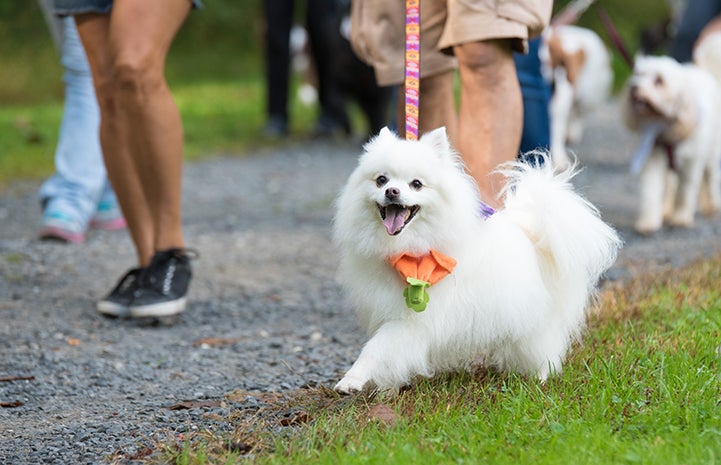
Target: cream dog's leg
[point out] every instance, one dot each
(397, 352)
(712, 187)
(689, 187)
(652, 186)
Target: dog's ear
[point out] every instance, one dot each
(685, 110)
(438, 140)
(384, 136)
(385, 133)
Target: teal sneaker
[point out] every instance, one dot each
(108, 217)
(61, 227)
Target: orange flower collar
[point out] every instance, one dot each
(420, 273)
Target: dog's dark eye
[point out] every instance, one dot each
(658, 81)
(381, 180)
(416, 185)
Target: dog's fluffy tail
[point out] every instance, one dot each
(574, 245)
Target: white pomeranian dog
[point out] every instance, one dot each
(512, 288)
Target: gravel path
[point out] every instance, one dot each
(266, 313)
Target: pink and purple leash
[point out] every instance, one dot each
(412, 67)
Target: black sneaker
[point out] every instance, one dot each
(117, 302)
(163, 285)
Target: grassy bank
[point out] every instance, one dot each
(643, 388)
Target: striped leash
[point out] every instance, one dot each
(412, 67)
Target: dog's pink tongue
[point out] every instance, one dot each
(395, 217)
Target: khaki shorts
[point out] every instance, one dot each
(378, 30)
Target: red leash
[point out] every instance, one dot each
(614, 35)
(571, 12)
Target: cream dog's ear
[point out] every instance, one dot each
(686, 112)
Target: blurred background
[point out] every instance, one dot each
(215, 71)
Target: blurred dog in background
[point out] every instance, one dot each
(577, 63)
(676, 110)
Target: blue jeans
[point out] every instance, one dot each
(695, 16)
(536, 97)
(80, 185)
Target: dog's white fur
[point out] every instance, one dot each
(577, 62)
(677, 104)
(523, 280)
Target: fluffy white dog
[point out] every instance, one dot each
(576, 61)
(512, 288)
(676, 110)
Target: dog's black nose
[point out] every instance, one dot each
(392, 193)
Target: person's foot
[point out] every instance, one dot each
(61, 227)
(117, 303)
(108, 217)
(330, 129)
(163, 285)
(276, 127)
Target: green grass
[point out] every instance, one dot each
(219, 117)
(28, 134)
(643, 388)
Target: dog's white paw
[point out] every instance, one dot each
(646, 228)
(351, 384)
(575, 133)
(710, 211)
(560, 161)
(682, 219)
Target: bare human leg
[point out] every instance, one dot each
(491, 112)
(141, 130)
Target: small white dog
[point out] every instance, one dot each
(512, 288)
(676, 110)
(575, 60)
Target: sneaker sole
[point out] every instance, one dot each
(52, 233)
(115, 224)
(111, 309)
(159, 310)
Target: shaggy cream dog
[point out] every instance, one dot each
(676, 110)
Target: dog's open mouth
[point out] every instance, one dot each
(395, 217)
(645, 108)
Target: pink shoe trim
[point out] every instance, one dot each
(109, 225)
(52, 232)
